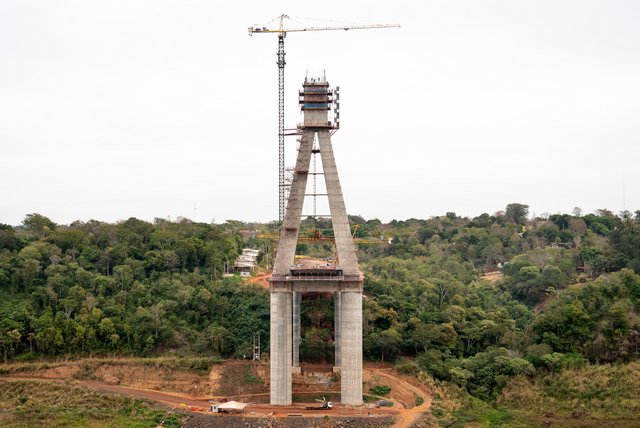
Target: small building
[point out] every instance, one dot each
(228, 407)
(246, 262)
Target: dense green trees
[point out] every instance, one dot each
(132, 287)
(558, 302)
(569, 291)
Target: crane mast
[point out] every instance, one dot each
(282, 32)
(281, 185)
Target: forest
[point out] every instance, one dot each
(473, 302)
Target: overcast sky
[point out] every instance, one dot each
(112, 109)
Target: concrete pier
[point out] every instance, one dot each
(351, 349)
(280, 348)
(297, 300)
(337, 308)
(342, 279)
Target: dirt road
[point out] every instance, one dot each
(201, 403)
(407, 416)
(172, 399)
(404, 396)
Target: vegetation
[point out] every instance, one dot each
(380, 390)
(587, 396)
(566, 296)
(29, 404)
(130, 288)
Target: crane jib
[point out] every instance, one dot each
(282, 32)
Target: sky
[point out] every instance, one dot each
(117, 109)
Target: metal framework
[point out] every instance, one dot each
(281, 185)
(281, 31)
(256, 346)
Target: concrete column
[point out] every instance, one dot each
(290, 227)
(337, 307)
(289, 348)
(297, 300)
(280, 348)
(341, 230)
(351, 352)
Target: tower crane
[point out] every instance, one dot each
(281, 32)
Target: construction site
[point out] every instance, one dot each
(279, 388)
(219, 215)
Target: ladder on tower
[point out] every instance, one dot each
(256, 346)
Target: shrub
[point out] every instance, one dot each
(380, 390)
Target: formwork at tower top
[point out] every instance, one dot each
(343, 279)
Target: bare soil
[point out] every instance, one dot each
(262, 280)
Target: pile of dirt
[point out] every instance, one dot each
(150, 377)
(316, 380)
(240, 378)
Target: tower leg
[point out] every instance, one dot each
(281, 348)
(351, 352)
(336, 323)
(341, 230)
(297, 300)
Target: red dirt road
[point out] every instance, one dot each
(403, 411)
(201, 403)
(406, 417)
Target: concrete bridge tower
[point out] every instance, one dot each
(342, 278)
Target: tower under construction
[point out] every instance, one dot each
(342, 277)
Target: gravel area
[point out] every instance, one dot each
(209, 421)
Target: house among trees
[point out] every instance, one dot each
(246, 262)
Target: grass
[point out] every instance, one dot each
(46, 404)
(590, 396)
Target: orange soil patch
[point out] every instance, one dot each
(262, 280)
(62, 372)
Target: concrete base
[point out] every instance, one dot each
(296, 370)
(336, 369)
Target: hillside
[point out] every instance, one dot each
(568, 295)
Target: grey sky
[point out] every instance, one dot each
(112, 109)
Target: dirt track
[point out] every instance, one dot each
(403, 412)
(406, 417)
